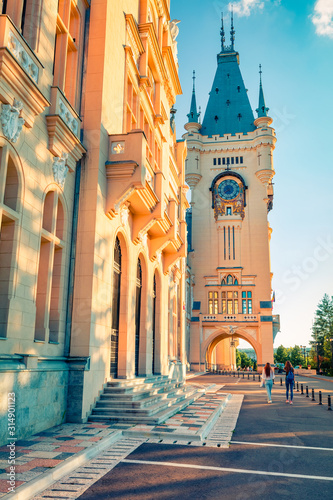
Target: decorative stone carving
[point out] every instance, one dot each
(143, 238)
(60, 169)
(231, 330)
(124, 215)
(19, 52)
(10, 120)
(117, 148)
(68, 118)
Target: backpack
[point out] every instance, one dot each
(290, 376)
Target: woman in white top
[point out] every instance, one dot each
(268, 377)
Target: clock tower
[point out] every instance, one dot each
(229, 169)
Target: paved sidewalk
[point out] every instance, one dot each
(49, 455)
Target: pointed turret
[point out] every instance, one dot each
(193, 116)
(263, 119)
(261, 110)
(228, 110)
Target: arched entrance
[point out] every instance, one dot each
(138, 314)
(229, 334)
(115, 309)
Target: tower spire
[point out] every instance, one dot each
(222, 33)
(232, 30)
(262, 110)
(193, 116)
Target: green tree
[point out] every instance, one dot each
(243, 360)
(281, 355)
(295, 355)
(322, 333)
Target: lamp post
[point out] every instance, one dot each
(317, 344)
(303, 347)
(331, 340)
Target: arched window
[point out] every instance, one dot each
(50, 272)
(9, 216)
(154, 325)
(137, 314)
(115, 308)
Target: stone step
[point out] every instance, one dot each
(157, 418)
(136, 381)
(116, 402)
(111, 393)
(131, 389)
(150, 410)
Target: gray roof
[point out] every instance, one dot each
(228, 110)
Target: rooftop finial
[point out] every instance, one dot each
(222, 33)
(193, 116)
(262, 110)
(232, 31)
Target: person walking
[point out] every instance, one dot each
(290, 378)
(268, 377)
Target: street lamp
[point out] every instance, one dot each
(317, 344)
(331, 340)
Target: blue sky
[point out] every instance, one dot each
(293, 40)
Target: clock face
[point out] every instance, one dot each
(228, 189)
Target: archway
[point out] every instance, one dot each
(229, 334)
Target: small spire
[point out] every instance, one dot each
(261, 110)
(193, 115)
(232, 31)
(222, 34)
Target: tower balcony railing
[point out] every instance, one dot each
(230, 318)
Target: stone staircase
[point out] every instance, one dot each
(149, 400)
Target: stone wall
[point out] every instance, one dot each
(40, 394)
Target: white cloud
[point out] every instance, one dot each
(245, 7)
(323, 17)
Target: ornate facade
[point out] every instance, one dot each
(229, 169)
(92, 203)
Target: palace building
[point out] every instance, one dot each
(229, 168)
(92, 206)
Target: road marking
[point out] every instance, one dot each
(226, 469)
(283, 445)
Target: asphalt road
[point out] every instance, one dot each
(278, 451)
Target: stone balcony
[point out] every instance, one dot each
(63, 126)
(20, 73)
(230, 318)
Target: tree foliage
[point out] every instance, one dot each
(322, 333)
(243, 360)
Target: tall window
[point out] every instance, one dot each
(9, 216)
(50, 272)
(154, 326)
(137, 314)
(115, 309)
(230, 302)
(68, 55)
(213, 303)
(247, 303)
(26, 15)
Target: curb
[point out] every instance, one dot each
(32, 488)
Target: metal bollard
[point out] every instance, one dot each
(297, 388)
(329, 403)
(248, 376)
(254, 377)
(302, 393)
(307, 391)
(294, 385)
(313, 396)
(243, 374)
(234, 374)
(320, 398)
(280, 381)
(259, 378)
